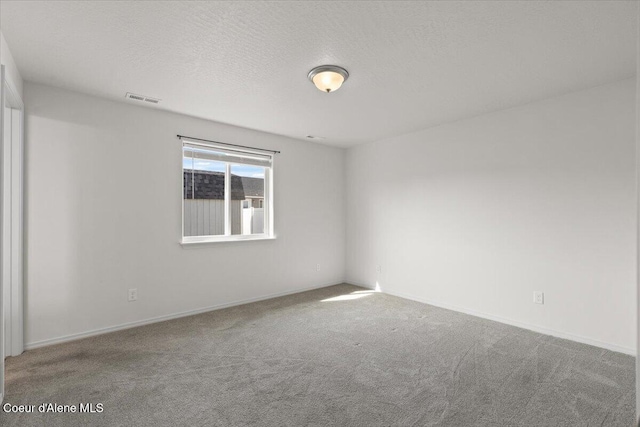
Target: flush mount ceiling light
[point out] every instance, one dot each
(328, 78)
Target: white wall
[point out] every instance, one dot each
(13, 75)
(95, 167)
(638, 222)
(479, 213)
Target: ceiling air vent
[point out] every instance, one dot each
(135, 97)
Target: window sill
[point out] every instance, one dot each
(189, 241)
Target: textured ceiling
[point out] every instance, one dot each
(412, 64)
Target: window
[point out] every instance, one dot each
(226, 193)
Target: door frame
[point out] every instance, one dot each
(10, 97)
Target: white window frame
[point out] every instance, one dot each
(268, 234)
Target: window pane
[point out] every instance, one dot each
(203, 193)
(247, 199)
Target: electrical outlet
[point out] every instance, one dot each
(133, 294)
(378, 269)
(538, 297)
(317, 267)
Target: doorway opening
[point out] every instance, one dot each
(11, 224)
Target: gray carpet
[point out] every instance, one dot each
(371, 360)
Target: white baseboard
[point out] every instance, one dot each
(523, 325)
(539, 329)
(100, 331)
